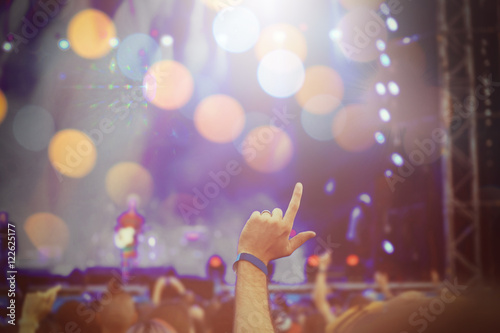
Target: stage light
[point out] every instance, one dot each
(385, 60)
(380, 45)
(72, 153)
(330, 186)
(393, 88)
(89, 33)
(33, 127)
(335, 34)
(388, 247)
(168, 84)
(313, 260)
(236, 30)
(281, 73)
(380, 88)
(126, 179)
(114, 42)
(3, 106)
(7, 47)
(136, 54)
(365, 198)
(267, 149)
(384, 115)
(392, 24)
(379, 137)
(167, 40)
(219, 118)
(63, 44)
(388, 173)
(215, 261)
(352, 260)
(152, 241)
(397, 159)
(406, 40)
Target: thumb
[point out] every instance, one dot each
(300, 239)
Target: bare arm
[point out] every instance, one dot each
(320, 289)
(266, 236)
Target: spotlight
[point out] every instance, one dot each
(313, 260)
(406, 40)
(63, 44)
(365, 198)
(393, 88)
(380, 88)
(7, 47)
(335, 34)
(384, 115)
(385, 60)
(215, 261)
(113, 42)
(388, 247)
(392, 24)
(152, 241)
(167, 40)
(380, 45)
(388, 173)
(352, 260)
(397, 159)
(216, 268)
(330, 186)
(379, 137)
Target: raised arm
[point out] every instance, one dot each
(267, 237)
(320, 290)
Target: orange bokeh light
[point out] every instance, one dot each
(322, 90)
(281, 36)
(353, 128)
(90, 32)
(313, 260)
(72, 153)
(267, 149)
(48, 233)
(352, 260)
(219, 118)
(127, 179)
(3, 106)
(168, 85)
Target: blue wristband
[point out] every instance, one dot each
(252, 259)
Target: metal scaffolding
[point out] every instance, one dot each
(460, 167)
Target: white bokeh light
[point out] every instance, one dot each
(236, 29)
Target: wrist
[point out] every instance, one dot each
(256, 255)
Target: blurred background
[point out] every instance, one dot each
(202, 111)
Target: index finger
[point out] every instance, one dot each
(294, 204)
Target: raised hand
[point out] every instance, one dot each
(267, 235)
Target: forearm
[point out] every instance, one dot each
(320, 296)
(252, 302)
(28, 325)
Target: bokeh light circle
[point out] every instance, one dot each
(322, 90)
(136, 54)
(3, 106)
(351, 4)
(48, 233)
(219, 5)
(352, 260)
(236, 29)
(219, 118)
(267, 149)
(361, 29)
(281, 37)
(281, 73)
(127, 179)
(90, 32)
(168, 85)
(353, 128)
(72, 153)
(33, 127)
(317, 126)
